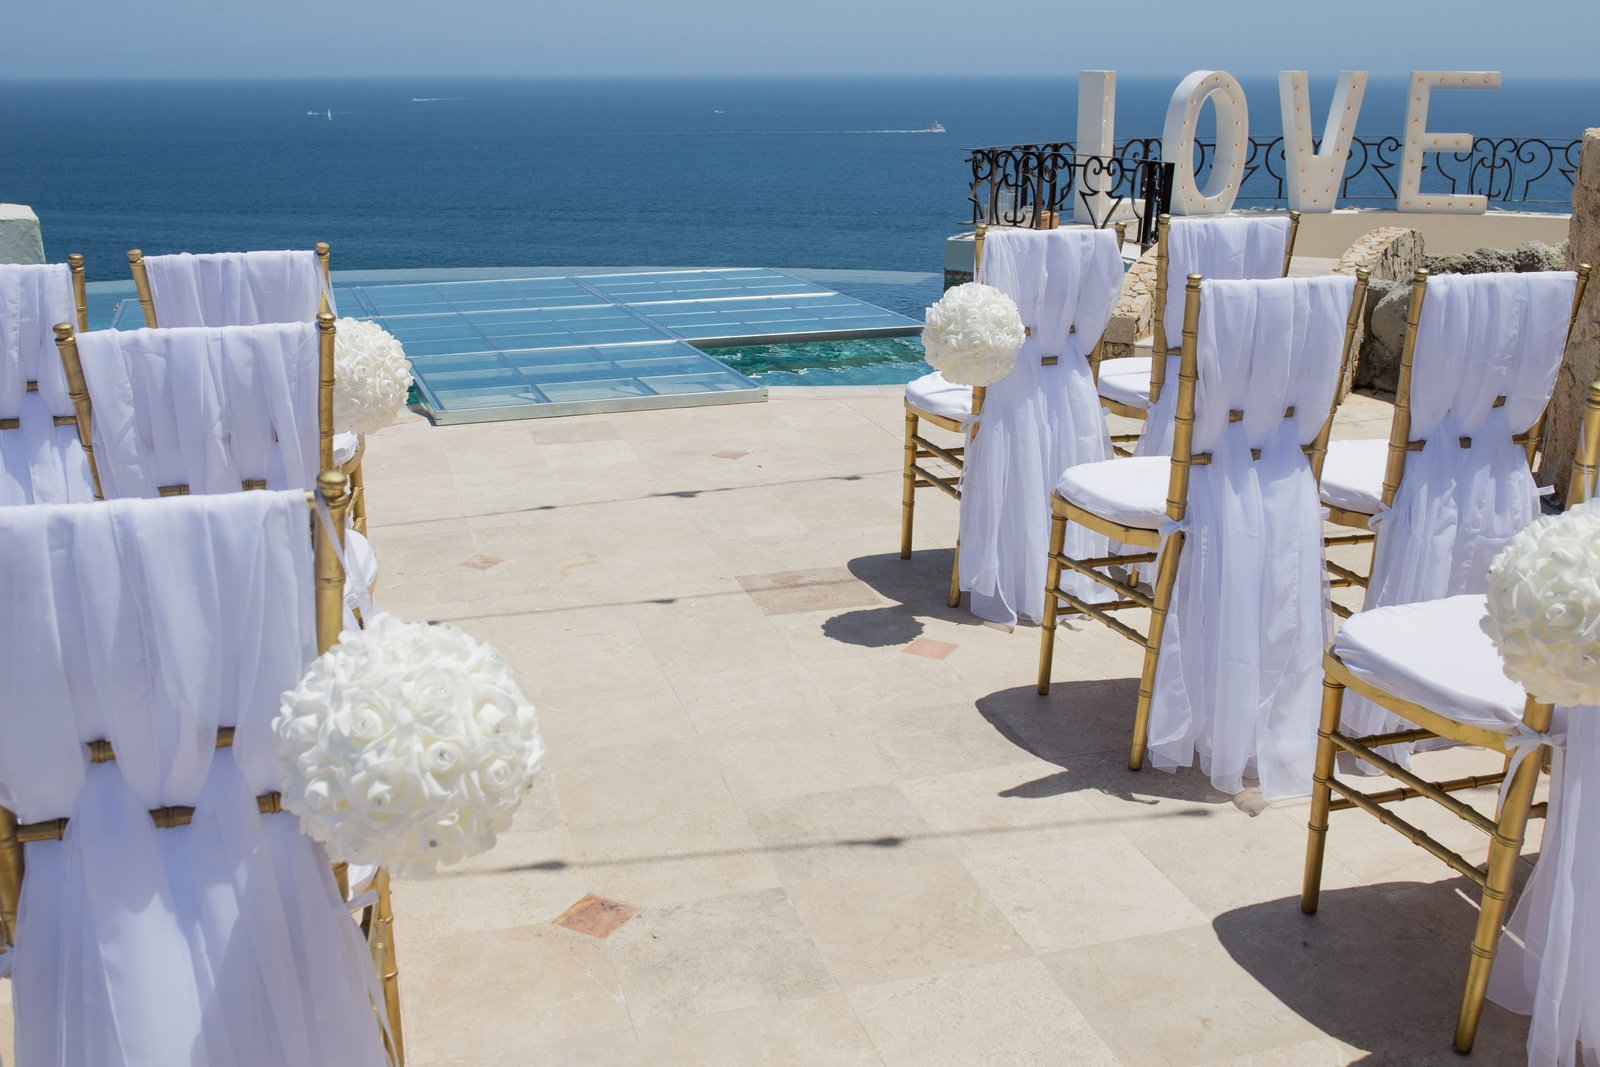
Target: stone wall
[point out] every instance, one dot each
(1392, 254)
(1582, 363)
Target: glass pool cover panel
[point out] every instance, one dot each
(527, 347)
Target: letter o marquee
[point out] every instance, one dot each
(1233, 142)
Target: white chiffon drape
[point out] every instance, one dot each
(1038, 420)
(40, 462)
(1481, 338)
(222, 944)
(1239, 679)
(1232, 249)
(210, 408)
(1548, 965)
(236, 288)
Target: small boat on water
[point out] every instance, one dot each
(937, 127)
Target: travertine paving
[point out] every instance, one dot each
(827, 818)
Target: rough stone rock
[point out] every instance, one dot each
(1529, 256)
(1582, 363)
(1134, 314)
(19, 235)
(1392, 254)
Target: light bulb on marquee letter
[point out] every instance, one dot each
(1097, 108)
(1419, 141)
(1233, 142)
(1314, 177)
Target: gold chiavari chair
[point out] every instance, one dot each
(950, 408)
(1433, 666)
(1155, 535)
(78, 390)
(1132, 391)
(377, 924)
(1359, 478)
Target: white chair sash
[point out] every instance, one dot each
(1038, 420)
(1238, 682)
(236, 288)
(1481, 337)
(150, 624)
(1230, 249)
(206, 408)
(1550, 965)
(40, 462)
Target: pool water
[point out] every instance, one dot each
(871, 361)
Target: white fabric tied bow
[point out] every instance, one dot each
(1378, 516)
(1169, 527)
(1522, 743)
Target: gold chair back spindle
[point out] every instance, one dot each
(10, 876)
(325, 339)
(327, 275)
(1400, 427)
(1536, 431)
(78, 391)
(80, 289)
(1352, 322)
(1288, 249)
(1158, 327)
(141, 286)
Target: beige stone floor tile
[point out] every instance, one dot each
(904, 922)
(814, 1032)
(540, 808)
(1006, 807)
(850, 831)
(616, 782)
(714, 955)
(750, 696)
(1004, 1014)
(619, 1048)
(781, 757)
(1175, 998)
(533, 985)
(945, 739)
(792, 592)
(591, 717)
(696, 636)
(524, 878)
(859, 686)
(1093, 889)
(673, 858)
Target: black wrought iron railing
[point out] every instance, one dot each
(1019, 185)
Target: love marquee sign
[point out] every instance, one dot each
(1313, 174)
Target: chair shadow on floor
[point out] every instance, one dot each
(918, 586)
(1379, 967)
(1084, 727)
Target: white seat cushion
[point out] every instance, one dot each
(1434, 654)
(933, 394)
(1352, 475)
(1127, 381)
(1130, 491)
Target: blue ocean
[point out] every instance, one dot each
(418, 172)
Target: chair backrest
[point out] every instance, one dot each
(1065, 282)
(203, 410)
(148, 645)
(1217, 249)
(42, 460)
(1259, 357)
(1479, 362)
(232, 288)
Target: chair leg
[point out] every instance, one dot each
(908, 487)
(1166, 578)
(1047, 631)
(1321, 795)
(1504, 850)
(358, 501)
(954, 600)
(383, 953)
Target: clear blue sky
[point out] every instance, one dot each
(211, 38)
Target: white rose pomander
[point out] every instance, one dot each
(370, 377)
(407, 744)
(972, 334)
(1544, 607)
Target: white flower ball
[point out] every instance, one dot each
(1544, 607)
(370, 377)
(408, 745)
(972, 334)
